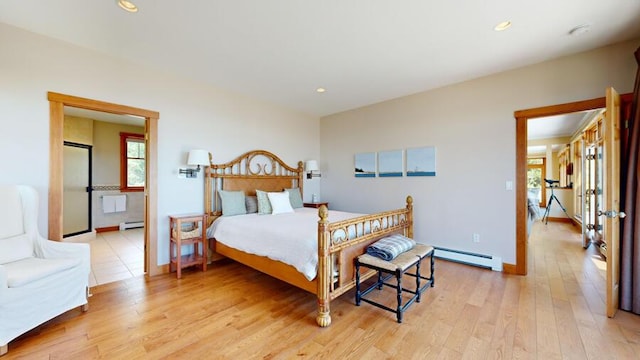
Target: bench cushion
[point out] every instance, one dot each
(402, 262)
(25, 271)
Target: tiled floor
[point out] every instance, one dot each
(116, 255)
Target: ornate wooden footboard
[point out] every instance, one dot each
(338, 243)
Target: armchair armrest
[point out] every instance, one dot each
(54, 249)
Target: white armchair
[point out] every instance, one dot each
(39, 278)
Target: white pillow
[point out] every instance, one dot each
(280, 202)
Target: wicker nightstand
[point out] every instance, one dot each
(192, 234)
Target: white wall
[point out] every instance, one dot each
(192, 115)
(473, 128)
(565, 197)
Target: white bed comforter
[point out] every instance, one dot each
(290, 238)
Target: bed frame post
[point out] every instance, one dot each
(207, 192)
(409, 229)
(301, 177)
(324, 268)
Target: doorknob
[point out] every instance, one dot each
(612, 214)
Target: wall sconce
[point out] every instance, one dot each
(196, 157)
(311, 166)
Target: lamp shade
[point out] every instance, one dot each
(311, 165)
(198, 157)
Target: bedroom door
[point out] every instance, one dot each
(610, 210)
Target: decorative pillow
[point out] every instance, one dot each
(280, 202)
(232, 202)
(295, 198)
(264, 206)
(251, 202)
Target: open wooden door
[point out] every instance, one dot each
(611, 198)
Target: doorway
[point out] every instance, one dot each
(57, 102)
(611, 129)
(522, 117)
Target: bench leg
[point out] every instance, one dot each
(433, 278)
(418, 292)
(399, 292)
(358, 294)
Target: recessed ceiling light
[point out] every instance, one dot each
(127, 6)
(502, 26)
(321, 90)
(579, 30)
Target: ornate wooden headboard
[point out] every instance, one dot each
(257, 169)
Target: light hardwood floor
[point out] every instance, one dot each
(233, 312)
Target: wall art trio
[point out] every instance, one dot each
(418, 162)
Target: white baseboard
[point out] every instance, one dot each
(486, 261)
(131, 225)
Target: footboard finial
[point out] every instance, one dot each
(409, 200)
(323, 212)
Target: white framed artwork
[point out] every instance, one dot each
(365, 165)
(421, 161)
(390, 163)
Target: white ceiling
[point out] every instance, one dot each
(558, 126)
(554, 127)
(362, 52)
(104, 116)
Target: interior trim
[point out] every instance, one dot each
(522, 116)
(57, 102)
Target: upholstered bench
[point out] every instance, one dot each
(396, 267)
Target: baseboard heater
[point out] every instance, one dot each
(131, 225)
(485, 261)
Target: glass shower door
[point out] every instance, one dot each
(76, 208)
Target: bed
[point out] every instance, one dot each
(338, 242)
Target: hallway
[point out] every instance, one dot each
(557, 254)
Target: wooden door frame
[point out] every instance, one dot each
(57, 102)
(522, 116)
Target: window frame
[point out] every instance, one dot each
(124, 138)
(543, 174)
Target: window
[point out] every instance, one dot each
(132, 162)
(535, 177)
